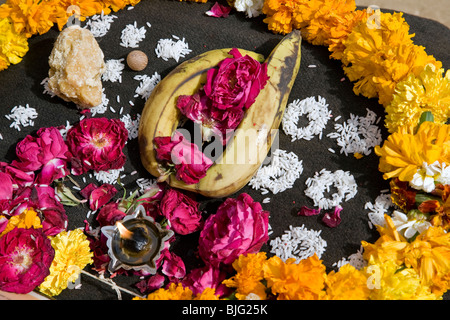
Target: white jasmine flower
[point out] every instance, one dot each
(252, 8)
(409, 226)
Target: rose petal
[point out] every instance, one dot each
(307, 212)
(219, 11)
(333, 219)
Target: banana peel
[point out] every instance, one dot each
(252, 140)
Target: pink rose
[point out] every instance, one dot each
(206, 277)
(173, 266)
(98, 196)
(236, 82)
(239, 226)
(47, 152)
(182, 212)
(25, 259)
(230, 89)
(189, 162)
(18, 177)
(97, 144)
(109, 214)
(42, 199)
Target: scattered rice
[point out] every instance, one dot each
(280, 174)
(131, 125)
(147, 85)
(114, 68)
(317, 115)
(357, 134)
(102, 107)
(144, 184)
(344, 182)
(299, 243)
(47, 90)
(99, 25)
(64, 129)
(22, 116)
(110, 176)
(356, 260)
(132, 35)
(378, 209)
(168, 48)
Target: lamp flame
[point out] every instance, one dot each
(124, 232)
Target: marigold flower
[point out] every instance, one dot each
(13, 45)
(404, 151)
(29, 16)
(289, 280)
(429, 255)
(377, 58)
(397, 283)
(347, 284)
(249, 274)
(429, 91)
(174, 292)
(85, 8)
(72, 254)
(26, 220)
(207, 294)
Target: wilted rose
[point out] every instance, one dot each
(189, 162)
(239, 226)
(109, 214)
(206, 277)
(230, 89)
(236, 82)
(42, 199)
(97, 144)
(98, 196)
(25, 259)
(46, 152)
(182, 212)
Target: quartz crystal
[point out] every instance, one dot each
(76, 66)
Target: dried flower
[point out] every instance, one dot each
(181, 211)
(428, 91)
(25, 258)
(47, 152)
(97, 144)
(202, 278)
(72, 254)
(189, 162)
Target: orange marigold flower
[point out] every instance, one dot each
(29, 16)
(26, 220)
(289, 280)
(377, 58)
(80, 8)
(249, 274)
(174, 292)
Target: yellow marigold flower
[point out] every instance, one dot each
(429, 91)
(249, 274)
(289, 280)
(398, 283)
(429, 255)
(13, 46)
(347, 284)
(207, 294)
(377, 58)
(26, 220)
(404, 151)
(29, 16)
(174, 292)
(72, 254)
(279, 15)
(388, 247)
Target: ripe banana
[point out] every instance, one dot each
(252, 140)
